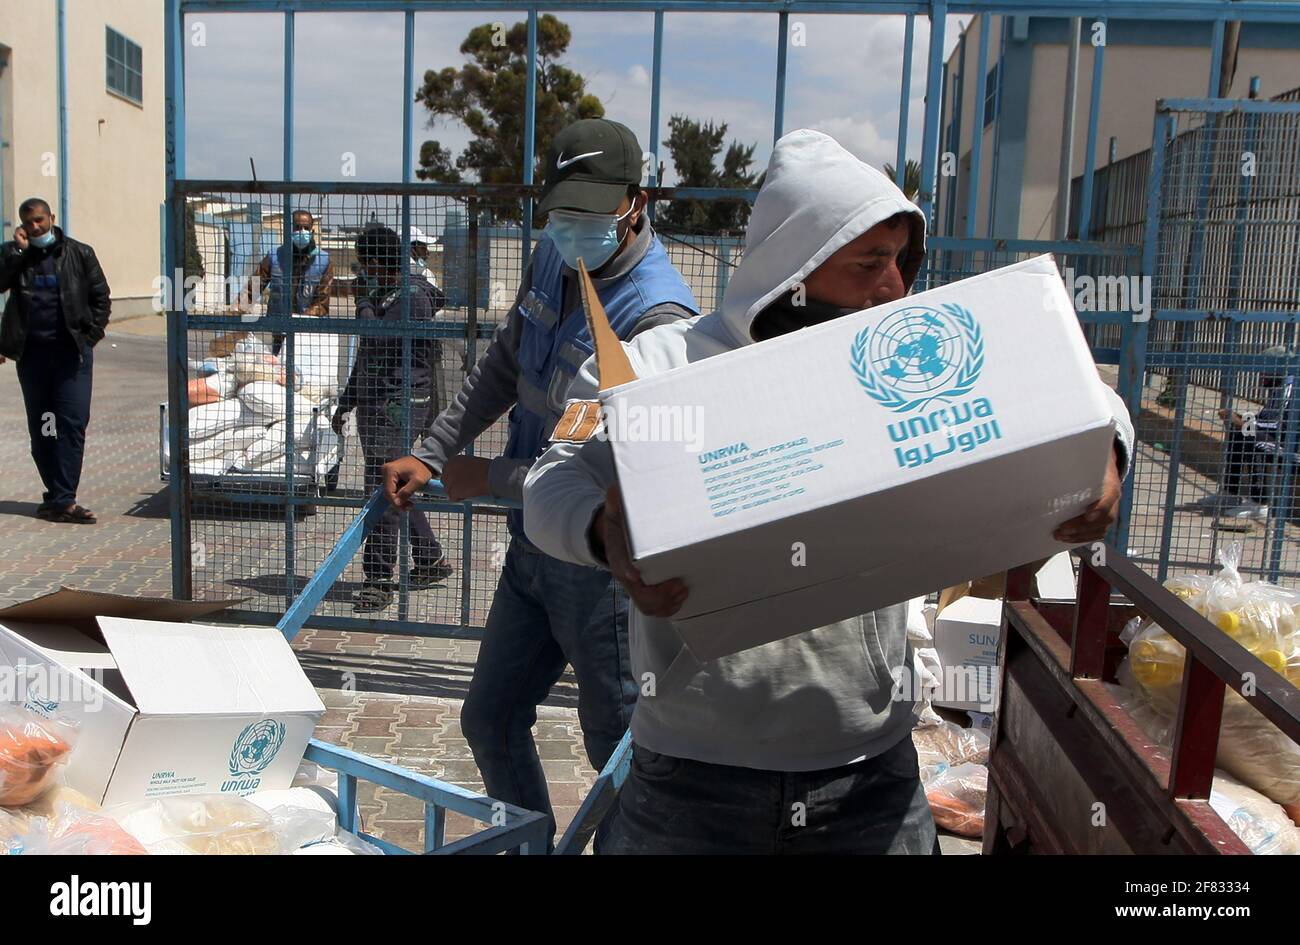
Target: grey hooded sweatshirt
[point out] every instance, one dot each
(819, 699)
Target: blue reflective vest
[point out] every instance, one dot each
(282, 281)
(551, 350)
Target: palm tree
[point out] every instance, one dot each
(911, 178)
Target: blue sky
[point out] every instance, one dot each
(348, 83)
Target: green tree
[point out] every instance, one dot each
(911, 185)
(487, 95)
(695, 148)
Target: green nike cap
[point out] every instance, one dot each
(591, 164)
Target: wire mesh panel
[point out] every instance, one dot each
(376, 338)
(1217, 431)
(362, 339)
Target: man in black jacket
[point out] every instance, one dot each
(378, 391)
(57, 311)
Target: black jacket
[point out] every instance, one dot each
(83, 290)
(377, 371)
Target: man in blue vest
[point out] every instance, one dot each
(546, 613)
(296, 279)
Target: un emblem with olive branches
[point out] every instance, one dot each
(256, 747)
(919, 354)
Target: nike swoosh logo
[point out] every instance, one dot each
(561, 163)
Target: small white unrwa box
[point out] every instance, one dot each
(868, 459)
(161, 707)
(966, 635)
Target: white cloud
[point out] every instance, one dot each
(639, 76)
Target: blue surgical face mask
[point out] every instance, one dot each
(44, 240)
(593, 237)
(301, 238)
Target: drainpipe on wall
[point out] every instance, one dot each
(65, 214)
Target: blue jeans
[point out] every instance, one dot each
(674, 805)
(546, 614)
(56, 383)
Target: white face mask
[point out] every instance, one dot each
(591, 237)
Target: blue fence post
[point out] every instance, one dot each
(656, 69)
(1090, 153)
(471, 355)
(933, 96)
(782, 44)
(977, 134)
(404, 285)
(1133, 337)
(905, 95)
(286, 232)
(435, 827)
(530, 140)
(178, 489)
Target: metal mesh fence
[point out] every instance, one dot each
(1216, 451)
(357, 398)
(261, 525)
(1217, 425)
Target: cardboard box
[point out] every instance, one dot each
(865, 460)
(1056, 579)
(966, 635)
(163, 707)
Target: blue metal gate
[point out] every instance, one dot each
(1220, 246)
(265, 523)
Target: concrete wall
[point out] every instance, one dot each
(1144, 62)
(1133, 79)
(115, 147)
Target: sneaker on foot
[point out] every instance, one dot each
(431, 574)
(371, 597)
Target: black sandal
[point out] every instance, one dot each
(77, 515)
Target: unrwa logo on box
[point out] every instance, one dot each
(919, 354)
(255, 749)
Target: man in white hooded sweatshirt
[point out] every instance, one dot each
(796, 746)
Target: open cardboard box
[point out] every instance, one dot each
(862, 461)
(162, 706)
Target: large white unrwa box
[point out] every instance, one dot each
(162, 707)
(865, 460)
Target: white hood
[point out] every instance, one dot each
(815, 197)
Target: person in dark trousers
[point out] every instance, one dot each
(297, 279)
(1253, 448)
(548, 613)
(376, 391)
(57, 312)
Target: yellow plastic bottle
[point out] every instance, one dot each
(1155, 666)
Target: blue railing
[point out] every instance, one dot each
(511, 827)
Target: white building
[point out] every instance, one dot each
(113, 131)
(1024, 95)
